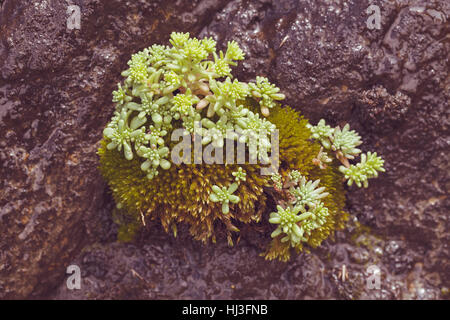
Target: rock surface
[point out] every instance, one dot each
(390, 84)
(55, 95)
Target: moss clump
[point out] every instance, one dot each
(178, 195)
(181, 193)
(297, 152)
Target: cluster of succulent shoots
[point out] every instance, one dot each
(300, 209)
(225, 195)
(189, 86)
(344, 142)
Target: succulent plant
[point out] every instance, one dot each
(304, 214)
(287, 218)
(122, 134)
(321, 132)
(188, 85)
(344, 143)
(217, 132)
(367, 168)
(181, 194)
(295, 176)
(307, 193)
(239, 175)
(322, 159)
(277, 181)
(224, 196)
(266, 93)
(166, 88)
(155, 158)
(316, 218)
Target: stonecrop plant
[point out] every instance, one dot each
(344, 142)
(166, 85)
(188, 85)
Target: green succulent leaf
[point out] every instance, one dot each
(239, 175)
(367, 168)
(266, 93)
(307, 193)
(224, 195)
(346, 141)
(321, 132)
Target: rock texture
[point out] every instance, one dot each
(390, 84)
(55, 95)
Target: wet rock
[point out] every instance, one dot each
(55, 96)
(185, 269)
(380, 110)
(397, 257)
(390, 84)
(409, 202)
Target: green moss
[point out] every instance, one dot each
(297, 153)
(179, 195)
(129, 224)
